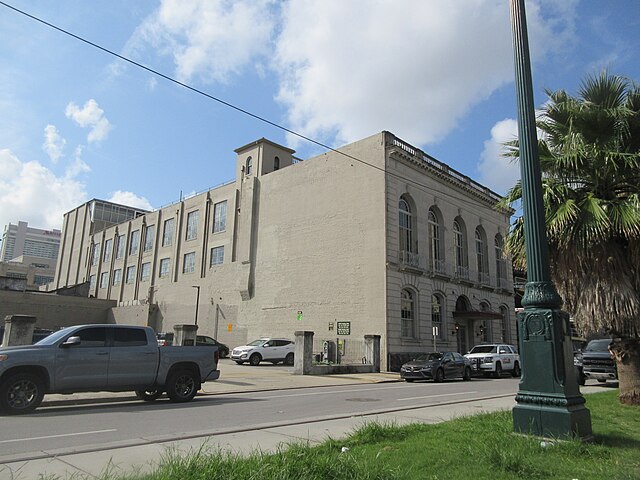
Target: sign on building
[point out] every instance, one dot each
(344, 328)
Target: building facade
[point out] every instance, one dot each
(375, 238)
(29, 254)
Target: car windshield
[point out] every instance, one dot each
(256, 343)
(54, 337)
(428, 357)
(483, 349)
(598, 345)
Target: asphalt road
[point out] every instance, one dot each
(120, 422)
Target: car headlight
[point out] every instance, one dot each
(3, 357)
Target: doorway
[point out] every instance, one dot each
(462, 339)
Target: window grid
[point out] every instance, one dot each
(120, 246)
(217, 256)
(165, 267)
(192, 225)
(104, 279)
(108, 248)
(131, 274)
(436, 313)
(189, 263)
(407, 314)
(145, 271)
(117, 276)
(149, 237)
(435, 242)
(134, 242)
(406, 227)
(220, 217)
(167, 234)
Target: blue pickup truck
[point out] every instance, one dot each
(93, 358)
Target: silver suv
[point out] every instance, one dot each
(274, 350)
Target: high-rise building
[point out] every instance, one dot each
(20, 239)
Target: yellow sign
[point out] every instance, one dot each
(229, 326)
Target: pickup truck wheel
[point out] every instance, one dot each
(21, 393)
(288, 359)
(516, 370)
(467, 374)
(439, 376)
(148, 395)
(255, 359)
(182, 386)
(498, 371)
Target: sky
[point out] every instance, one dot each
(78, 123)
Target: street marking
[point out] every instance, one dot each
(57, 436)
(433, 396)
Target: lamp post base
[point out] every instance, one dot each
(542, 418)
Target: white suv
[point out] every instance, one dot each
(495, 358)
(274, 350)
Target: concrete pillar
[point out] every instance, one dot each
(372, 344)
(18, 330)
(304, 353)
(185, 335)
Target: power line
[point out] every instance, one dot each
(217, 99)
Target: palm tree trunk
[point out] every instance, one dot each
(626, 352)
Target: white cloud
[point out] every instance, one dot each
(31, 192)
(350, 69)
(497, 172)
(130, 199)
(53, 143)
(210, 39)
(92, 116)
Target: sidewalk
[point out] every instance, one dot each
(266, 438)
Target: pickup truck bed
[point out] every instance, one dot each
(91, 358)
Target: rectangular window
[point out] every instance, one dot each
(92, 282)
(108, 248)
(129, 337)
(104, 279)
(149, 237)
(134, 242)
(131, 274)
(165, 267)
(189, 263)
(220, 217)
(145, 271)
(167, 234)
(217, 256)
(120, 246)
(117, 276)
(96, 254)
(192, 225)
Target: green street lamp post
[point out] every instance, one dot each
(549, 403)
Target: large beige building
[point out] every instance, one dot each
(375, 238)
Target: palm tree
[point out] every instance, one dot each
(589, 151)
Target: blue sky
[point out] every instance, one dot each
(78, 124)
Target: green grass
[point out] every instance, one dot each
(476, 447)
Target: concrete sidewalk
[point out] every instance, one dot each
(266, 438)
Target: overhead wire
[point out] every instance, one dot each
(219, 100)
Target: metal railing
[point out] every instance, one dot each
(410, 259)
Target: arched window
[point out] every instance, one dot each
(407, 314)
(505, 324)
(460, 242)
(501, 267)
(437, 314)
(406, 226)
(481, 256)
(248, 166)
(435, 242)
(276, 163)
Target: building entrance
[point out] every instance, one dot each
(462, 339)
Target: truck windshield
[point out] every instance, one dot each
(598, 345)
(54, 337)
